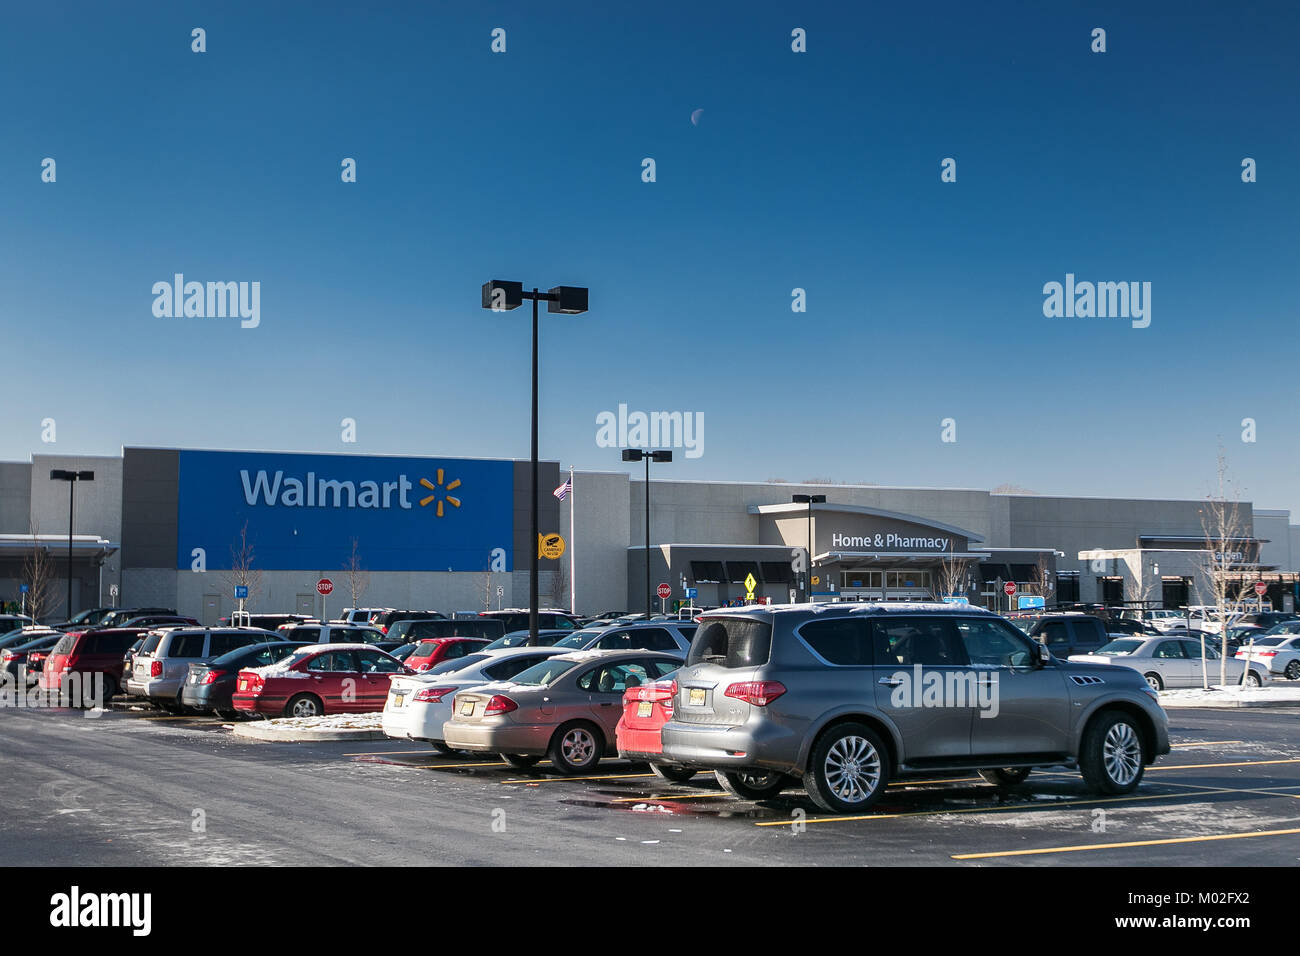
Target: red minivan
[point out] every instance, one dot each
(319, 679)
(86, 653)
(646, 708)
(435, 650)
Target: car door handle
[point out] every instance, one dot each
(606, 703)
(889, 681)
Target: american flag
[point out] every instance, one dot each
(562, 492)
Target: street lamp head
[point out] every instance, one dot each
(808, 499)
(632, 454)
(61, 474)
(568, 299)
(661, 456)
(501, 296)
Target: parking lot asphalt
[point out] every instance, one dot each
(146, 788)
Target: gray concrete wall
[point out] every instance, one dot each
(15, 497)
(1275, 526)
(602, 531)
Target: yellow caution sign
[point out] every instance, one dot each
(750, 583)
(550, 546)
(816, 580)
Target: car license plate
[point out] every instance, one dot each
(467, 708)
(644, 708)
(243, 685)
(696, 698)
(397, 701)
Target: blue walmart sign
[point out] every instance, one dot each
(303, 511)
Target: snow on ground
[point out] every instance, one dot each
(1220, 694)
(328, 722)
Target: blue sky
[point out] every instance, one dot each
(817, 170)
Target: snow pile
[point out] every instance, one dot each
(1226, 693)
(371, 721)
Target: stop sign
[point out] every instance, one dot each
(664, 591)
(324, 586)
(1260, 588)
(1009, 588)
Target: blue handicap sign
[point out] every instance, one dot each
(692, 592)
(241, 592)
(22, 588)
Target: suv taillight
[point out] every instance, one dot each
(155, 669)
(433, 695)
(499, 704)
(760, 693)
(7, 656)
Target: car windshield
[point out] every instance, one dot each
(544, 673)
(457, 663)
(581, 638)
(1117, 648)
(1269, 641)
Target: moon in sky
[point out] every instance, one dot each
(695, 117)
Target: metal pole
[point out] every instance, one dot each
(532, 544)
(647, 536)
(71, 484)
(573, 561)
(807, 574)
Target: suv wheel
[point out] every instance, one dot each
(1293, 671)
(752, 784)
(576, 748)
(848, 769)
(1154, 681)
(1111, 755)
(1005, 776)
(672, 773)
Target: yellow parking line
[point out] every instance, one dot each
(1240, 763)
(1209, 743)
(384, 753)
(1132, 843)
(681, 796)
(1274, 792)
(609, 776)
(453, 766)
(170, 717)
(1037, 805)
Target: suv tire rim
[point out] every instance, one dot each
(1153, 682)
(304, 708)
(1122, 754)
(578, 747)
(852, 769)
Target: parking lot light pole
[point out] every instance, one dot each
(502, 296)
(636, 454)
(808, 500)
(71, 477)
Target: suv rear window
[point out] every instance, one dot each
(731, 642)
(64, 645)
(150, 644)
(186, 645)
(845, 641)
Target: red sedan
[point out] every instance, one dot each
(646, 708)
(319, 679)
(435, 650)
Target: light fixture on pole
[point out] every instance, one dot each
(71, 477)
(502, 296)
(809, 500)
(636, 454)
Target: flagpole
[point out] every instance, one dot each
(573, 582)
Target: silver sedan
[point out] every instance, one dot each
(1172, 661)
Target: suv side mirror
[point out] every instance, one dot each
(1044, 655)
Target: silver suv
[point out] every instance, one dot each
(161, 665)
(844, 697)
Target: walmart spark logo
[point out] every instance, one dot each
(434, 486)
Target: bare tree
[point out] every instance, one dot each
(38, 575)
(487, 589)
(1042, 579)
(357, 578)
(1224, 526)
(242, 572)
(560, 585)
(953, 572)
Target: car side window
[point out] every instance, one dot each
(993, 643)
(1055, 634)
(844, 641)
(341, 662)
(915, 640)
(664, 668)
(1169, 649)
(373, 663)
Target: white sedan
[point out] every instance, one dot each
(418, 706)
(1172, 661)
(1279, 653)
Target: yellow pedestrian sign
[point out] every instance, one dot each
(750, 583)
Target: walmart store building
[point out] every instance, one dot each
(164, 527)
